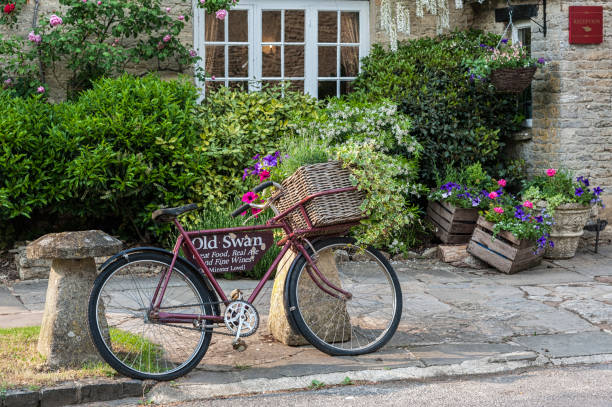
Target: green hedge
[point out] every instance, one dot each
(456, 121)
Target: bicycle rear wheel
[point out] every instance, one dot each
(362, 324)
(122, 330)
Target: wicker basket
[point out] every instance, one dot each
(324, 210)
(512, 80)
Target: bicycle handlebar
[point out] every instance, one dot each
(257, 189)
(263, 186)
(240, 210)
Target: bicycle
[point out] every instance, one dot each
(152, 312)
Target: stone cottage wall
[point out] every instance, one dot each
(572, 96)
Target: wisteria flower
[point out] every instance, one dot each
(551, 172)
(502, 183)
(221, 14)
(493, 195)
(528, 204)
(498, 210)
(55, 20)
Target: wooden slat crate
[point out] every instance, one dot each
(452, 225)
(506, 253)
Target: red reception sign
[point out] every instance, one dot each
(586, 24)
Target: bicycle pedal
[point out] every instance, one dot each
(239, 345)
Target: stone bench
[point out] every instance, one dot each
(64, 335)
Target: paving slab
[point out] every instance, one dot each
(447, 354)
(21, 320)
(32, 293)
(8, 303)
(569, 345)
(596, 312)
(542, 274)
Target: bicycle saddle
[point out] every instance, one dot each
(169, 214)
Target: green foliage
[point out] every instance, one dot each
(235, 126)
(465, 188)
(110, 158)
(316, 385)
(454, 119)
(19, 74)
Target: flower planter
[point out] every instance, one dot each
(570, 220)
(512, 80)
(452, 225)
(504, 252)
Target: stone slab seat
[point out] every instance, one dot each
(64, 334)
(169, 214)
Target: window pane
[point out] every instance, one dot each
(271, 26)
(214, 85)
(269, 84)
(215, 60)
(327, 61)
(350, 27)
(238, 26)
(239, 85)
(327, 89)
(349, 61)
(238, 61)
(294, 25)
(297, 86)
(294, 61)
(328, 26)
(215, 29)
(270, 61)
(346, 87)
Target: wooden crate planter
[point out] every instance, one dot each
(452, 225)
(506, 253)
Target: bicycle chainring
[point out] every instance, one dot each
(238, 311)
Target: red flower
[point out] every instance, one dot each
(8, 9)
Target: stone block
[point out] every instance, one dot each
(33, 273)
(59, 396)
(100, 392)
(20, 398)
(132, 388)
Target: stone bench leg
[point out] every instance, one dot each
(64, 335)
(322, 305)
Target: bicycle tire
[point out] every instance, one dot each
(124, 329)
(334, 326)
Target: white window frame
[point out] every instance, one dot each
(311, 54)
(515, 38)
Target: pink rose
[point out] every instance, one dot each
(40, 89)
(181, 18)
(213, 77)
(99, 2)
(493, 195)
(498, 210)
(168, 9)
(221, 14)
(34, 37)
(55, 20)
(502, 183)
(167, 38)
(528, 204)
(551, 172)
(202, 1)
(192, 53)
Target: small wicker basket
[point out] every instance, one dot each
(326, 210)
(512, 80)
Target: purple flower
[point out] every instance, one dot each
(476, 201)
(504, 41)
(270, 161)
(597, 191)
(256, 157)
(245, 174)
(541, 61)
(579, 191)
(550, 242)
(585, 181)
(256, 169)
(539, 219)
(472, 77)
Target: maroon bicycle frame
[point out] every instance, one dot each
(293, 240)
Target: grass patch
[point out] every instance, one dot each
(21, 366)
(149, 354)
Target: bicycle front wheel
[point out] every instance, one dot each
(123, 331)
(362, 324)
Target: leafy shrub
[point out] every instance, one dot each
(235, 125)
(120, 151)
(454, 119)
(467, 187)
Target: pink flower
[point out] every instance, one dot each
(192, 53)
(160, 45)
(55, 20)
(99, 2)
(221, 14)
(493, 195)
(502, 183)
(498, 210)
(551, 172)
(181, 18)
(528, 204)
(255, 212)
(8, 81)
(168, 9)
(249, 197)
(84, 1)
(34, 37)
(213, 77)
(202, 1)
(167, 38)
(40, 89)
(264, 175)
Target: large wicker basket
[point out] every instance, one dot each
(512, 80)
(326, 210)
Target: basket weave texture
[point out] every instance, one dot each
(324, 210)
(512, 80)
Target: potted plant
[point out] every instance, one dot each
(511, 236)
(509, 67)
(569, 200)
(453, 206)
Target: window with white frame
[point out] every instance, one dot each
(316, 45)
(521, 32)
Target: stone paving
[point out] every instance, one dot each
(451, 316)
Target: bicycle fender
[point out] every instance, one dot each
(124, 255)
